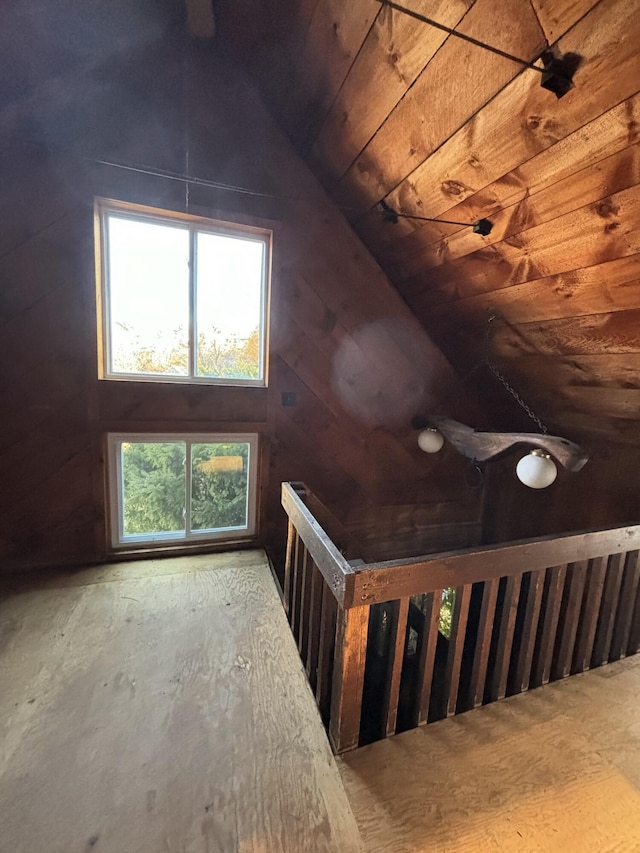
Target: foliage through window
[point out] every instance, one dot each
(182, 488)
(182, 299)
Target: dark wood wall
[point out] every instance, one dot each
(343, 341)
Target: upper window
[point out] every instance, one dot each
(181, 298)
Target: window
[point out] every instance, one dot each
(181, 489)
(181, 298)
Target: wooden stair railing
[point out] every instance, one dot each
(525, 613)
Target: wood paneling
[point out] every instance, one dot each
(442, 129)
(358, 364)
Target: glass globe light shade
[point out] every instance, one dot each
(537, 470)
(430, 440)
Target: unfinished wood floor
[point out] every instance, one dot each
(161, 707)
(556, 770)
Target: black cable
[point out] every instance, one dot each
(470, 39)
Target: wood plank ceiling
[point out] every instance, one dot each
(383, 106)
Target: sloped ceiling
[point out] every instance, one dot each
(383, 106)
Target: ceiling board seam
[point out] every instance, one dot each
(312, 142)
(444, 141)
(437, 147)
(458, 129)
(565, 320)
(494, 296)
(398, 102)
(509, 235)
(537, 17)
(450, 211)
(494, 246)
(305, 36)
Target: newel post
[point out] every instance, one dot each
(352, 628)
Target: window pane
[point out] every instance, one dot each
(219, 485)
(148, 269)
(153, 488)
(229, 306)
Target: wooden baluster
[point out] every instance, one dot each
(543, 655)
(624, 618)
(459, 619)
(328, 615)
(397, 642)
(286, 591)
(567, 630)
(596, 574)
(608, 609)
(348, 677)
(524, 656)
(506, 625)
(315, 612)
(305, 595)
(483, 642)
(298, 568)
(427, 657)
(634, 636)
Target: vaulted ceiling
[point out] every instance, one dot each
(383, 106)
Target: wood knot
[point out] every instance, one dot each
(611, 226)
(533, 122)
(454, 188)
(606, 208)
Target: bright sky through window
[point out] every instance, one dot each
(149, 291)
(182, 300)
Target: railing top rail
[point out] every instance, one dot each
(372, 583)
(333, 566)
(376, 582)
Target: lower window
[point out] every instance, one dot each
(181, 488)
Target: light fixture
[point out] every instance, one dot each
(537, 470)
(480, 226)
(430, 440)
(557, 71)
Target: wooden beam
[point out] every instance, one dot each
(427, 656)
(397, 642)
(483, 642)
(504, 644)
(348, 678)
(543, 659)
(457, 636)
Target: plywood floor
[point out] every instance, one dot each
(556, 770)
(160, 707)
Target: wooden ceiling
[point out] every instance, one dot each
(383, 106)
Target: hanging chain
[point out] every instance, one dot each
(505, 382)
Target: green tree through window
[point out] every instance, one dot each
(154, 486)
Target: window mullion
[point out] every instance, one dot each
(193, 285)
(187, 497)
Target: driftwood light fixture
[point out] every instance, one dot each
(536, 470)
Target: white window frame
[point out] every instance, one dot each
(105, 207)
(119, 541)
